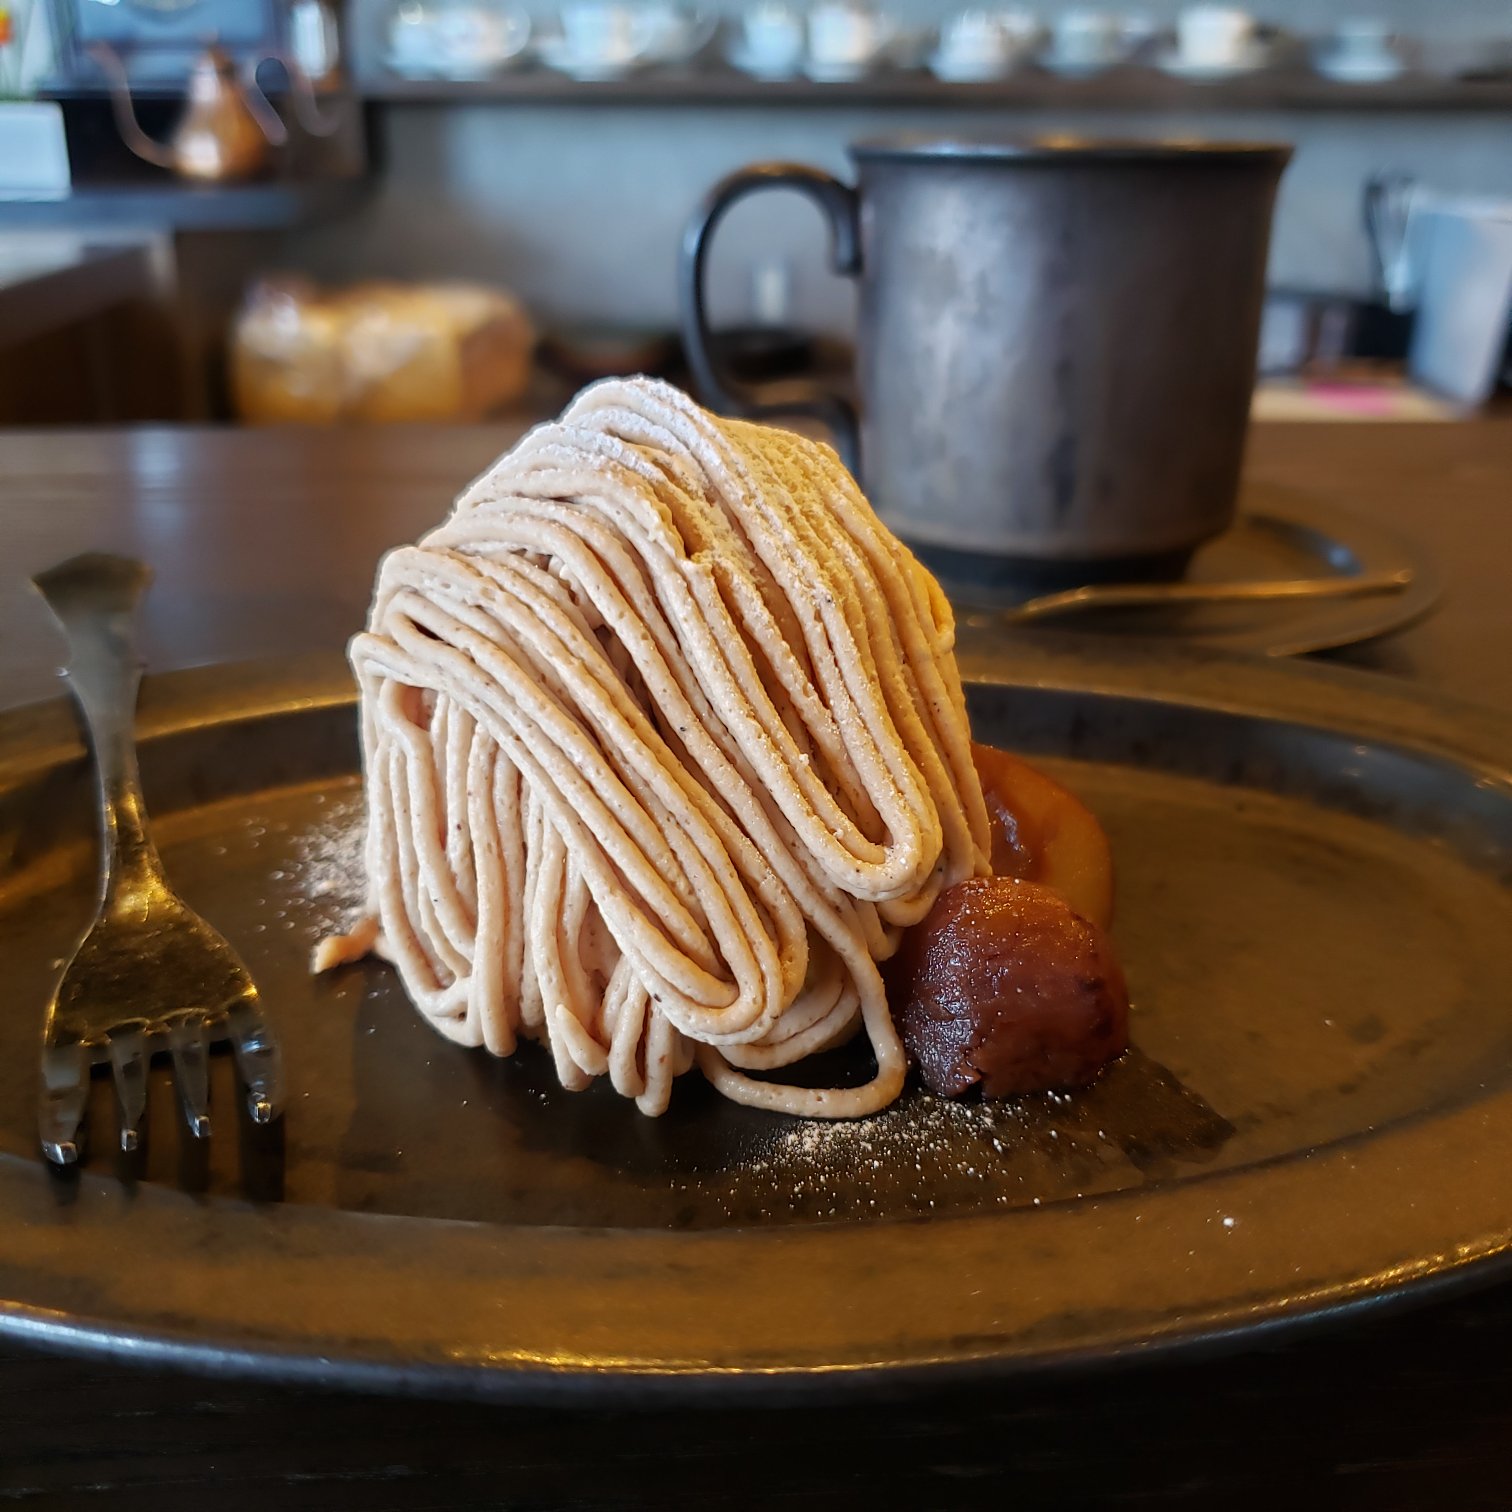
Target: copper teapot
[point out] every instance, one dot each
(228, 128)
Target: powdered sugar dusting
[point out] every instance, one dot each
(924, 1154)
(327, 869)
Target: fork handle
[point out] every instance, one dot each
(94, 598)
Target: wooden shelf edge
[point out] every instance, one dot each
(185, 207)
(1128, 88)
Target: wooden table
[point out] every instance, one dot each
(265, 543)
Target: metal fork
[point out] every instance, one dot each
(149, 970)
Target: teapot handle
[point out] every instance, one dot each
(267, 118)
(840, 206)
(313, 121)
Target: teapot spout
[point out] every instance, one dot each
(124, 110)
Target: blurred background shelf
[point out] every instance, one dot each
(175, 206)
(1124, 88)
(573, 195)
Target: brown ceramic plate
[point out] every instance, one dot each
(1315, 908)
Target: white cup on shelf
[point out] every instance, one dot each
(1085, 40)
(412, 45)
(845, 39)
(677, 33)
(770, 41)
(972, 45)
(1365, 37)
(455, 39)
(604, 36)
(1360, 50)
(1215, 36)
(475, 40)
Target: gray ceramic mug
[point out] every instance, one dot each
(1056, 346)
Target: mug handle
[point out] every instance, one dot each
(840, 205)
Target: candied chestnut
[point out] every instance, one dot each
(1004, 985)
(1043, 833)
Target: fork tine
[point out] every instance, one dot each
(258, 1059)
(128, 1064)
(191, 1073)
(65, 1097)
